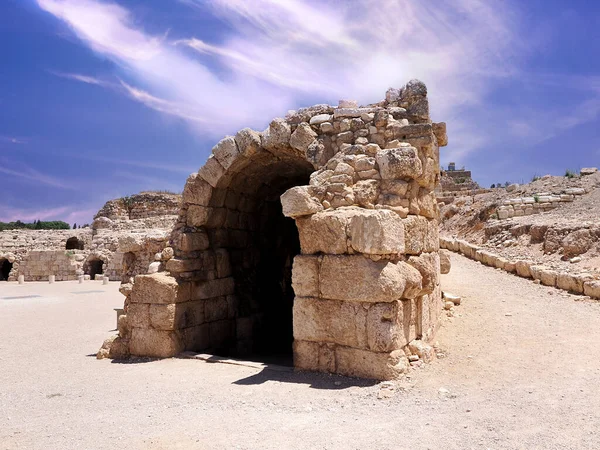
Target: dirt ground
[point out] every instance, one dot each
(522, 370)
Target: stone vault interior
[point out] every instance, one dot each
(260, 244)
(5, 268)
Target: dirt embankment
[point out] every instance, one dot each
(563, 234)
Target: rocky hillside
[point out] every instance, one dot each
(552, 221)
(141, 206)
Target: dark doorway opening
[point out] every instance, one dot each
(5, 268)
(261, 244)
(74, 244)
(95, 268)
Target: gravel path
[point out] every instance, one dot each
(522, 371)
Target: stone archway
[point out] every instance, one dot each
(93, 266)
(73, 243)
(5, 268)
(358, 182)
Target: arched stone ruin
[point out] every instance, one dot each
(73, 243)
(317, 237)
(5, 268)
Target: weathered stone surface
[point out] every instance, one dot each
(158, 288)
(248, 142)
(445, 262)
(226, 152)
(323, 233)
(155, 343)
(592, 288)
(277, 136)
(439, 129)
(356, 278)
(428, 265)
(398, 163)
(305, 276)
(333, 321)
(377, 232)
(211, 171)
(298, 202)
(302, 137)
(197, 191)
(367, 364)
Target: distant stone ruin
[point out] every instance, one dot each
(318, 236)
(454, 180)
(139, 225)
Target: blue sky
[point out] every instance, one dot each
(100, 99)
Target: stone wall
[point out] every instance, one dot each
(353, 271)
(37, 254)
(537, 203)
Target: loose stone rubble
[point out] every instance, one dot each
(127, 236)
(356, 253)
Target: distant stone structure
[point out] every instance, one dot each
(453, 180)
(124, 239)
(318, 235)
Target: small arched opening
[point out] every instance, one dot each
(5, 268)
(74, 243)
(94, 267)
(128, 268)
(255, 245)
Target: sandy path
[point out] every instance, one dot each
(527, 380)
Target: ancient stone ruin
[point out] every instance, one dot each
(318, 236)
(124, 240)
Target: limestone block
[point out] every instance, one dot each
(211, 171)
(523, 269)
(592, 288)
(164, 317)
(197, 215)
(297, 202)
(334, 321)
(356, 278)
(302, 137)
(423, 350)
(388, 328)
(277, 136)
(366, 192)
(398, 163)
(367, 364)
(158, 288)
(213, 288)
(191, 242)
(320, 118)
(439, 129)
(548, 277)
(376, 232)
(324, 232)
(428, 265)
(155, 343)
(248, 142)
(510, 266)
(305, 276)
(154, 267)
(445, 262)
(226, 152)
(569, 282)
(421, 235)
(138, 315)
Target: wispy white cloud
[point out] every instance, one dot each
(33, 176)
(82, 78)
(282, 53)
(13, 140)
